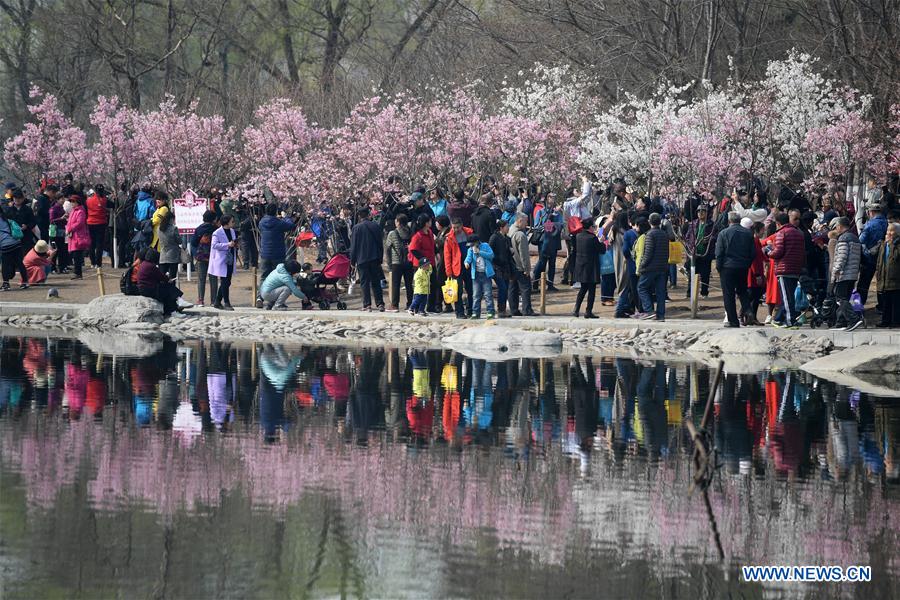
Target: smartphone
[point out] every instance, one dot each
(53, 245)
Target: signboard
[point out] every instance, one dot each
(189, 211)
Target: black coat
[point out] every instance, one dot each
(365, 243)
(502, 248)
(656, 252)
(587, 257)
(484, 223)
(735, 248)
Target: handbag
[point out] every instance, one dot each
(801, 302)
(607, 263)
(185, 256)
(451, 291)
(536, 237)
(574, 225)
(856, 302)
(676, 253)
(15, 230)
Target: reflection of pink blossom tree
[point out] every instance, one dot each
(638, 508)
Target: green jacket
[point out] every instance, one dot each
(887, 269)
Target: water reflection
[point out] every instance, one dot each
(360, 462)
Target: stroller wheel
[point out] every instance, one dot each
(341, 305)
(323, 305)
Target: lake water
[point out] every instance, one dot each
(216, 471)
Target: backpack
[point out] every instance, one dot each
(126, 286)
(204, 247)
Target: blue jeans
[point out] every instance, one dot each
(649, 283)
(482, 288)
(673, 275)
(545, 261)
(502, 291)
(418, 303)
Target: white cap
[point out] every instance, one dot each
(747, 223)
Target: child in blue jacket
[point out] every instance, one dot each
(479, 261)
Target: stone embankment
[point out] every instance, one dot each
(138, 318)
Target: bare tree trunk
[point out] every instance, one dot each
(225, 87)
(170, 35)
(287, 43)
(335, 18)
(712, 37)
(404, 40)
(17, 61)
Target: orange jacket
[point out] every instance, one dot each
(453, 254)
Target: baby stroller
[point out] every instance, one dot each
(321, 286)
(821, 309)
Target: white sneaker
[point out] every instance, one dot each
(768, 320)
(182, 303)
(725, 320)
(178, 315)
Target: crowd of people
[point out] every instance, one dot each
(808, 257)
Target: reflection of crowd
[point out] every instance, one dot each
(789, 422)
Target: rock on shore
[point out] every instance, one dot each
(117, 309)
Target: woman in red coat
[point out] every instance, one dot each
(773, 294)
(98, 206)
(422, 246)
(77, 233)
(756, 276)
(422, 242)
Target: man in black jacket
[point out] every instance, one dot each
(366, 249)
(503, 265)
(43, 202)
(654, 269)
(484, 222)
(734, 255)
(21, 213)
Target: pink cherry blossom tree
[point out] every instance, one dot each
(120, 158)
(275, 149)
(50, 146)
(184, 150)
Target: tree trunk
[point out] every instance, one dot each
(287, 43)
(330, 59)
(170, 35)
(404, 40)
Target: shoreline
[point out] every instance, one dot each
(841, 339)
(676, 339)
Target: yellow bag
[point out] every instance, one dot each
(676, 253)
(451, 291)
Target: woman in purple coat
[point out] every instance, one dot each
(221, 261)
